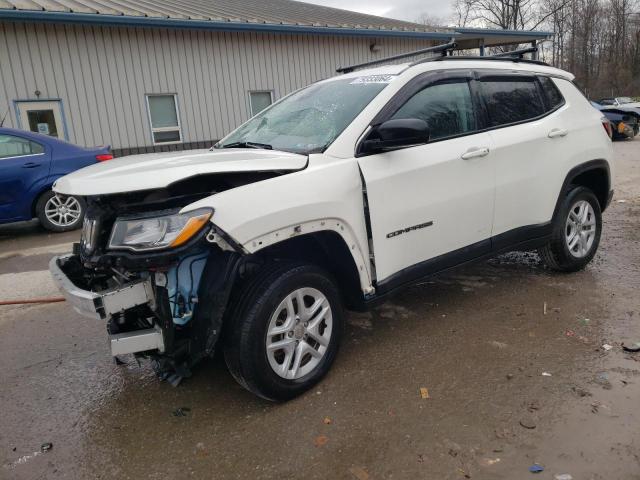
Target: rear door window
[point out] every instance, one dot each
(446, 107)
(511, 100)
(11, 146)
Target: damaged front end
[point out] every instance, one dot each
(160, 279)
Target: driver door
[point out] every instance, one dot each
(431, 206)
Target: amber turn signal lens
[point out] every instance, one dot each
(193, 226)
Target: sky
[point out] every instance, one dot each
(401, 9)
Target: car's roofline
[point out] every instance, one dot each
(474, 63)
(497, 64)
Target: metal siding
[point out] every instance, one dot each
(102, 74)
(86, 98)
(104, 91)
(7, 82)
(225, 104)
(217, 84)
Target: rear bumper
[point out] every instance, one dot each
(105, 304)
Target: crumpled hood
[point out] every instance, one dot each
(157, 170)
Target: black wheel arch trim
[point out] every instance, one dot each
(578, 170)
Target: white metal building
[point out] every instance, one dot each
(176, 74)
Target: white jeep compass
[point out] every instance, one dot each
(336, 196)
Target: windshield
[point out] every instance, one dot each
(308, 121)
(625, 100)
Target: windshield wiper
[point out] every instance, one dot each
(264, 146)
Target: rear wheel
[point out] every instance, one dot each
(60, 213)
(576, 232)
(285, 331)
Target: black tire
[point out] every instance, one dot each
(556, 254)
(245, 348)
(49, 224)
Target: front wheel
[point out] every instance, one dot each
(59, 213)
(285, 331)
(576, 232)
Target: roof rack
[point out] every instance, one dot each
(447, 47)
(513, 56)
(487, 58)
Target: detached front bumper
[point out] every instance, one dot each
(105, 304)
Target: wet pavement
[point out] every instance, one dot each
(478, 340)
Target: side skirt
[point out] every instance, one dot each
(523, 238)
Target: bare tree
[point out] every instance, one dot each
(512, 14)
(463, 12)
(431, 20)
(597, 40)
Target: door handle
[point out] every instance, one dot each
(558, 132)
(475, 153)
(31, 165)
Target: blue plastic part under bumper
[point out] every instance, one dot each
(182, 286)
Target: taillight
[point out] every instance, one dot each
(103, 157)
(607, 126)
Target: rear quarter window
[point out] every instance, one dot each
(554, 97)
(512, 100)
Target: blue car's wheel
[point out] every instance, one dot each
(60, 213)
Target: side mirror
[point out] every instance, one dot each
(398, 133)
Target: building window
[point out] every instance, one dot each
(163, 113)
(258, 101)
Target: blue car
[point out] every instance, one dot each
(29, 164)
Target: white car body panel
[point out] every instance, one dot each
(428, 183)
(329, 190)
(531, 166)
(158, 170)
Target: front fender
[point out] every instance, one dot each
(327, 195)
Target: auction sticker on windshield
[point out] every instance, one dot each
(373, 79)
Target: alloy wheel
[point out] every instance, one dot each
(580, 229)
(62, 212)
(299, 333)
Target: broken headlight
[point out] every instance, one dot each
(154, 233)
